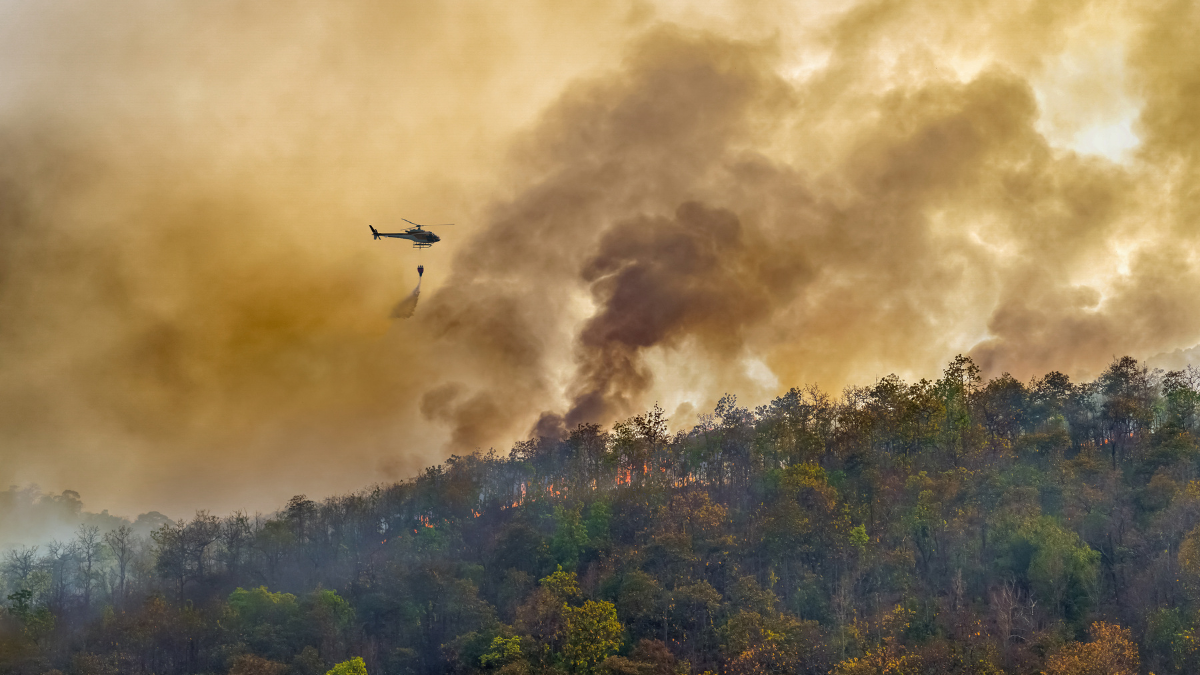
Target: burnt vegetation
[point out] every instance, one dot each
(956, 525)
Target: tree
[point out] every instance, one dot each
(956, 389)
(562, 585)
(234, 535)
(170, 559)
(1055, 562)
(36, 622)
(250, 664)
(1189, 559)
(1003, 405)
(121, 544)
(1128, 398)
(1111, 651)
(198, 535)
(593, 633)
(300, 510)
(329, 617)
(774, 642)
(18, 564)
(570, 536)
(265, 621)
(503, 650)
(59, 557)
(88, 544)
(354, 666)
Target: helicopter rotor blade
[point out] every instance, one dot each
(420, 225)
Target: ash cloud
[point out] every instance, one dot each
(664, 206)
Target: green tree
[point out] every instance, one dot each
(354, 666)
(269, 623)
(562, 585)
(570, 536)
(1058, 565)
(260, 605)
(593, 633)
(503, 650)
(36, 622)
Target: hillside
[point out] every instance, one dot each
(955, 525)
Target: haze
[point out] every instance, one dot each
(653, 203)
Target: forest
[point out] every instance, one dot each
(961, 525)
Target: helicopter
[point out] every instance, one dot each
(419, 237)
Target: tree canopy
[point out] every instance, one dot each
(957, 525)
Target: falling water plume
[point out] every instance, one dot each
(407, 306)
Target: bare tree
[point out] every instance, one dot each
(89, 547)
(198, 535)
(1014, 611)
(235, 537)
(170, 559)
(300, 510)
(121, 543)
(19, 563)
(57, 562)
(141, 567)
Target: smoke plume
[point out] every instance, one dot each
(663, 204)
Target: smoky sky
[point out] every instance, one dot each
(652, 203)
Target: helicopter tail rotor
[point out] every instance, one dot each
(374, 232)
